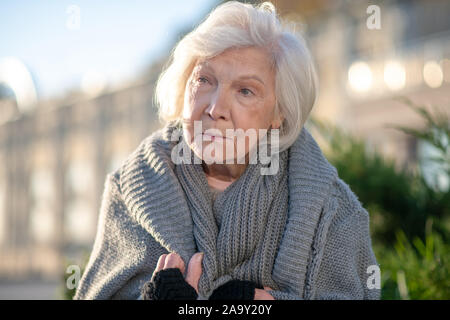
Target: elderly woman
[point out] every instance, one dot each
(216, 225)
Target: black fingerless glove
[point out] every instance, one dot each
(168, 284)
(235, 290)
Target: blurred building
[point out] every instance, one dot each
(55, 160)
(55, 156)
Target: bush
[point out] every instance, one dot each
(417, 270)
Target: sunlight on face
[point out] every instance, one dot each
(234, 90)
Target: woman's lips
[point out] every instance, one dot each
(214, 137)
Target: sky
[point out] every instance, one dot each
(62, 41)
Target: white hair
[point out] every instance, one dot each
(233, 25)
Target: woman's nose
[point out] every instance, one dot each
(219, 105)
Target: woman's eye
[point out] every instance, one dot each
(246, 92)
(202, 80)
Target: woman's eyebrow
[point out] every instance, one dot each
(207, 66)
(252, 77)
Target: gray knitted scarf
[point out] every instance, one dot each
(241, 230)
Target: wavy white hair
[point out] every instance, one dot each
(234, 24)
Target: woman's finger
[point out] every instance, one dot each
(160, 264)
(173, 260)
(261, 294)
(194, 270)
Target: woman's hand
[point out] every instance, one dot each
(173, 260)
(261, 294)
(194, 271)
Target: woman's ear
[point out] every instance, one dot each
(277, 121)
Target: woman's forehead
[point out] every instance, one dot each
(252, 59)
(240, 53)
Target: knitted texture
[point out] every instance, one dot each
(168, 284)
(235, 290)
(302, 232)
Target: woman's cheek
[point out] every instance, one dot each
(200, 102)
(248, 105)
(188, 103)
(191, 98)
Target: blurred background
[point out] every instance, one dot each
(76, 97)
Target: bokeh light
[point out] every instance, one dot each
(360, 76)
(432, 74)
(394, 75)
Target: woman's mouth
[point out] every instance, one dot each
(214, 137)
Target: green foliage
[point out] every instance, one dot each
(436, 132)
(416, 270)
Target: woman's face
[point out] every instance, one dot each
(234, 90)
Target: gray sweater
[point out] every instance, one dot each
(324, 250)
